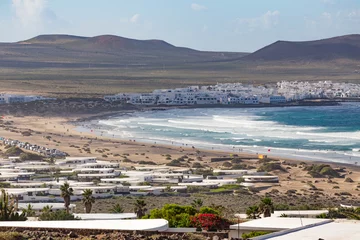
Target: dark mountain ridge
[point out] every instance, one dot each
(342, 47)
(105, 50)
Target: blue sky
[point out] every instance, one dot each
(219, 25)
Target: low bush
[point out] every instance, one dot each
(253, 234)
(57, 216)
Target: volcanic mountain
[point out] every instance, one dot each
(342, 47)
(101, 51)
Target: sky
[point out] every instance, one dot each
(213, 25)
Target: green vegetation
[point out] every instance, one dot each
(66, 193)
(29, 211)
(349, 180)
(226, 188)
(8, 211)
(174, 163)
(117, 208)
(197, 165)
(178, 216)
(271, 166)
(189, 216)
(140, 208)
(265, 207)
(88, 199)
(321, 171)
(12, 236)
(60, 215)
(253, 234)
(30, 156)
(341, 212)
(253, 212)
(13, 151)
(147, 162)
(197, 203)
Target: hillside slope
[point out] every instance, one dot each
(101, 51)
(343, 47)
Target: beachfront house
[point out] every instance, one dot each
(70, 162)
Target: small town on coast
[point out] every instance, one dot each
(179, 120)
(46, 182)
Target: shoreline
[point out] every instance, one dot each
(139, 108)
(137, 153)
(308, 155)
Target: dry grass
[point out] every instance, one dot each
(90, 82)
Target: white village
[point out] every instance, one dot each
(238, 93)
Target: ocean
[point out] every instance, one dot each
(320, 133)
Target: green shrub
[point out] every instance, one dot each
(147, 162)
(57, 216)
(227, 164)
(253, 234)
(209, 210)
(272, 166)
(176, 215)
(197, 165)
(13, 151)
(174, 163)
(321, 170)
(12, 236)
(349, 180)
(30, 156)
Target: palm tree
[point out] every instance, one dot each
(266, 207)
(88, 199)
(139, 208)
(29, 211)
(46, 209)
(66, 193)
(197, 203)
(253, 212)
(117, 208)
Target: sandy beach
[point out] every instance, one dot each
(59, 133)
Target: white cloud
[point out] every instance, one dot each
(29, 12)
(327, 18)
(198, 7)
(354, 14)
(265, 21)
(329, 24)
(135, 18)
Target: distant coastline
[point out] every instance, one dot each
(251, 131)
(304, 103)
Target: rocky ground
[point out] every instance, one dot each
(229, 203)
(61, 235)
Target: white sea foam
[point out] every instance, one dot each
(240, 128)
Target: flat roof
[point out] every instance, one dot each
(199, 184)
(277, 214)
(24, 190)
(40, 206)
(259, 176)
(125, 225)
(231, 171)
(94, 187)
(104, 216)
(338, 230)
(119, 179)
(77, 158)
(301, 212)
(277, 223)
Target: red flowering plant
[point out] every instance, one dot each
(209, 221)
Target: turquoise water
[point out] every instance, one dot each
(330, 133)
